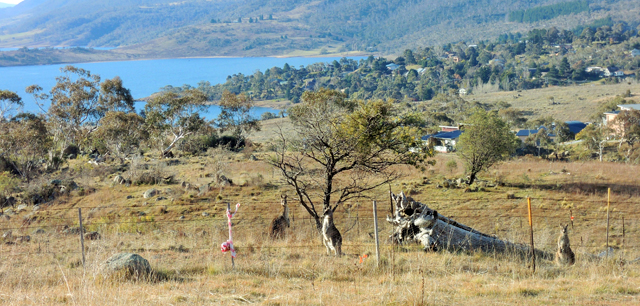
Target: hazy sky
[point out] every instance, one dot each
(11, 1)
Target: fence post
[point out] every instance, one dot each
(533, 250)
(571, 217)
(623, 246)
(375, 231)
(81, 235)
(608, 205)
(233, 264)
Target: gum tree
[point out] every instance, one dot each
(340, 148)
(170, 117)
(486, 140)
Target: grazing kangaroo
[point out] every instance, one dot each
(280, 223)
(564, 255)
(330, 235)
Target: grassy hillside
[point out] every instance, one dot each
(180, 234)
(563, 103)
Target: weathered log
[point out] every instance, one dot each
(416, 222)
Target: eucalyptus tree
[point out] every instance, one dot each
(75, 105)
(170, 117)
(9, 102)
(341, 148)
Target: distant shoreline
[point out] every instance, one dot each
(111, 56)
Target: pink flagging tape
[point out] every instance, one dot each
(228, 245)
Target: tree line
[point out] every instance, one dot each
(511, 62)
(83, 113)
(549, 11)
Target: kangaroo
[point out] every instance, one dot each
(564, 255)
(330, 235)
(280, 223)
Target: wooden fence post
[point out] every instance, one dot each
(375, 231)
(81, 235)
(533, 250)
(608, 205)
(623, 246)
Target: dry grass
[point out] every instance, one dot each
(183, 243)
(572, 102)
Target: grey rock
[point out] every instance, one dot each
(9, 212)
(21, 208)
(5, 218)
(204, 189)
(224, 181)
(71, 231)
(149, 193)
(118, 179)
(205, 214)
(55, 182)
(38, 231)
(160, 198)
(142, 213)
(127, 265)
(253, 157)
(7, 235)
(36, 208)
(181, 218)
(22, 239)
(603, 254)
(92, 236)
(129, 197)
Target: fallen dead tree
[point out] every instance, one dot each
(414, 222)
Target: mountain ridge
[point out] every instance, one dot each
(279, 28)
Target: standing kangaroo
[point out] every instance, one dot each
(564, 255)
(330, 235)
(280, 223)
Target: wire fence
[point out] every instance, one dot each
(356, 215)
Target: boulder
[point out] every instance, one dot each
(92, 236)
(127, 266)
(118, 179)
(71, 230)
(22, 239)
(149, 193)
(604, 253)
(204, 189)
(21, 208)
(38, 231)
(224, 181)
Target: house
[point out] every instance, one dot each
(496, 61)
(393, 66)
(442, 141)
(524, 134)
(635, 52)
(575, 126)
(595, 70)
(609, 117)
(613, 71)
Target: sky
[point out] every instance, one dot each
(11, 1)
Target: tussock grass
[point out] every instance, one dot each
(190, 269)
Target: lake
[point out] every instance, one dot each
(145, 77)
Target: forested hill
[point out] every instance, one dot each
(277, 27)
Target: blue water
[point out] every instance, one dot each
(146, 77)
(97, 48)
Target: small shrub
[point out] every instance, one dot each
(452, 165)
